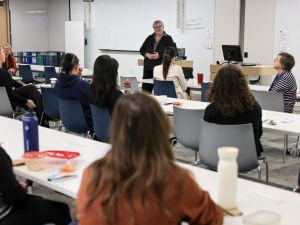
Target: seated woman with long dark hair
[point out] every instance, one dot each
(104, 88)
(138, 182)
(233, 103)
(170, 71)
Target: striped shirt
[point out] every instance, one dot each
(285, 82)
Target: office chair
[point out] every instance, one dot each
(165, 87)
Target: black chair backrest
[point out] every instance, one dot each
(26, 73)
(72, 116)
(50, 102)
(50, 72)
(188, 72)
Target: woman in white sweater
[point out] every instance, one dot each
(169, 71)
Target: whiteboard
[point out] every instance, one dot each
(287, 33)
(124, 25)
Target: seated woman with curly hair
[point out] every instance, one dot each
(233, 103)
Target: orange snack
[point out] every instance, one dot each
(69, 167)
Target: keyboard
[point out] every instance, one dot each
(248, 64)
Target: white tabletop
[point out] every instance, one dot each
(251, 196)
(12, 138)
(286, 123)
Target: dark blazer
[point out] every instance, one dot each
(70, 86)
(148, 47)
(213, 114)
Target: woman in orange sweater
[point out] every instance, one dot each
(138, 182)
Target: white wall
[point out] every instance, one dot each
(58, 13)
(29, 25)
(288, 22)
(227, 26)
(38, 25)
(259, 33)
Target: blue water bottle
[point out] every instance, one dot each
(31, 132)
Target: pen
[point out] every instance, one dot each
(59, 176)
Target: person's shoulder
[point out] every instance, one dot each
(175, 66)
(150, 36)
(3, 155)
(157, 68)
(116, 91)
(185, 176)
(288, 75)
(257, 107)
(212, 107)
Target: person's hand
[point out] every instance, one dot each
(23, 184)
(30, 104)
(148, 55)
(80, 70)
(155, 55)
(11, 71)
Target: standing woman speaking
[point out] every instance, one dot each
(153, 49)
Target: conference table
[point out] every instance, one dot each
(251, 196)
(261, 70)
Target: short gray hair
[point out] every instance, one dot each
(158, 22)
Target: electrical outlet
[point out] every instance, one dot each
(245, 54)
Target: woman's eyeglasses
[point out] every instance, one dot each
(158, 26)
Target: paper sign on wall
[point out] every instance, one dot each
(282, 41)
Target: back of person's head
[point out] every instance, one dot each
(168, 55)
(69, 63)
(104, 78)
(140, 159)
(230, 91)
(287, 61)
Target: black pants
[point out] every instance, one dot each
(16, 84)
(148, 74)
(30, 92)
(35, 210)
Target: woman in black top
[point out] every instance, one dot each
(153, 49)
(27, 96)
(233, 103)
(104, 88)
(18, 207)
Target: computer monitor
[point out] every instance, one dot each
(232, 53)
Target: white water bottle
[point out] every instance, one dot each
(227, 177)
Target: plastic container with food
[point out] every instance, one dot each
(34, 160)
(58, 158)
